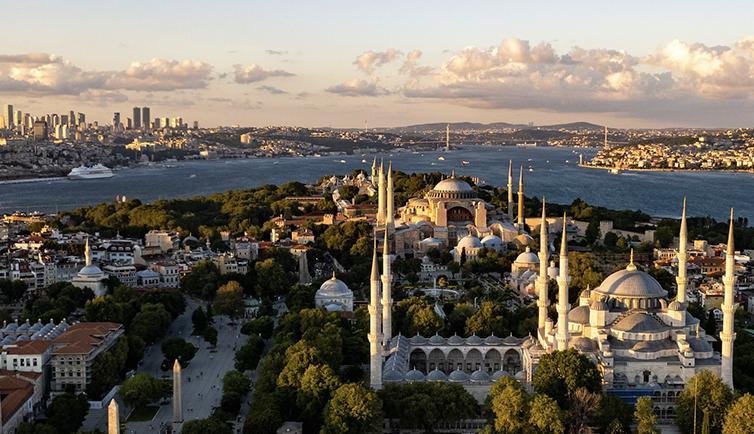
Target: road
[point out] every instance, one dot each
(202, 379)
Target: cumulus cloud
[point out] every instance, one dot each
(271, 90)
(369, 60)
(358, 87)
(254, 73)
(517, 75)
(275, 53)
(410, 65)
(46, 74)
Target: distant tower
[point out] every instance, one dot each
(387, 300)
(510, 191)
(381, 196)
(375, 317)
(145, 116)
(374, 171)
(137, 118)
(447, 137)
(390, 208)
(682, 257)
(728, 308)
(521, 201)
(542, 279)
(177, 408)
(8, 114)
(563, 306)
(605, 136)
(113, 418)
(116, 121)
(366, 128)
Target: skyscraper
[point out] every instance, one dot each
(82, 119)
(71, 118)
(145, 115)
(40, 131)
(8, 115)
(137, 118)
(116, 121)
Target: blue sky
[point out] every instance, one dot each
(337, 63)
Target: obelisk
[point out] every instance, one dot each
(177, 408)
(113, 418)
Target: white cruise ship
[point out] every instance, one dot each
(94, 172)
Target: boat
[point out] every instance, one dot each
(342, 161)
(441, 158)
(616, 171)
(192, 175)
(531, 170)
(364, 160)
(464, 162)
(275, 162)
(433, 163)
(91, 172)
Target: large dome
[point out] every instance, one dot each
(334, 288)
(527, 257)
(452, 188)
(90, 270)
(470, 242)
(631, 283)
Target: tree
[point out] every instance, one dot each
(199, 319)
(740, 417)
(151, 322)
(545, 416)
(177, 349)
(40, 428)
(229, 300)
(560, 373)
(457, 319)
(273, 279)
(510, 405)
(615, 414)
(67, 412)
(210, 335)
(317, 386)
(103, 309)
(12, 290)
(584, 406)
(247, 357)
(264, 416)
(140, 390)
(646, 416)
(488, 320)
(347, 192)
(210, 425)
(262, 326)
(708, 393)
(236, 382)
(202, 281)
(353, 409)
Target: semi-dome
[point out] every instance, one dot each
(579, 315)
(414, 375)
(452, 188)
(458, 376)
(334, 288)
(527, 257)
(675, 306)
(584, 345)
(631, 283)
(470, 242)
(639, 323)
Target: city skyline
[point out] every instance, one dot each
(338, 64)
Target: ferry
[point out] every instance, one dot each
(94, 172)
(616, 171)
(464, 162)
(441, 158)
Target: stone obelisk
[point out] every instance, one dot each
(113, 418)
(177, 408)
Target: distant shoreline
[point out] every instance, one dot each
(589, 166)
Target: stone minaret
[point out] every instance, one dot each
(542, 279)
(113, 418)
(177, 407)
(87, 253)
(563, 306)
(521, 201)
(387, 300)
(728, 308)
(680, 280)
(374, 171)
(375, 317)
(390, 206)
(381, 197)
(510, 191)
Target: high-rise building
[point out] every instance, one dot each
(71, 118)
(137, 118)
(63, 120)
(82, 119)
(55, 120)
(196, 125)
(19, 117)
(8, 115)
(40, 131)
(145, 116)
(129, 124)
(116, 121)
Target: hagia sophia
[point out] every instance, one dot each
(642, 342)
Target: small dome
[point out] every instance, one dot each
(25, 326)
(599, 305)
(418, 340)
(392, 376)
(333, 307)
(675, 306)
(480, 376)
(584, 345)
(414, 375)
(190, 239)
(458, 376)
(455, 340)
(500, 374)
(585, 294)
(523, 240)
(90, 270)
(469, 242)
(492, 241)
(579, 315)
(436, 376)
(492, 340)
(631, 283)
(437, 340)
(334, 288)
(527, 257)
(646, 346)
(521, 375)
(474, 340)
(11, 327)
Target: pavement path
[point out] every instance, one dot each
(206, 370)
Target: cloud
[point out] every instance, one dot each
(244, 105)
(409, 66)
(369, 59)
(101, 98)
(357, 87)
(271, 90)
(254, 73)
(275, 53)
(46, 74)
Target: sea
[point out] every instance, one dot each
(549, 172)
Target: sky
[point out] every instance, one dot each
(637, 64)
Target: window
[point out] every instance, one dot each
(35, 362)
(22, 362)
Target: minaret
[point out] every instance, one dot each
(374, 171)
(387, 300)
(521, 201)
(389, 209)
(381, 197)
(728, 308)
(542, 279)
(375, 316)
(113, 418)
(87, 253)
(510, 191)
(680, 280)
(563, 306)
(177, 407)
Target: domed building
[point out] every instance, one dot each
(451, 202)
(90, 276)
(334, 295)
(469, 245)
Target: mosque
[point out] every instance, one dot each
(91, 276)
(642, 342)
